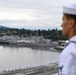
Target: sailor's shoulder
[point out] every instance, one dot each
(68, 51)
(70, 48)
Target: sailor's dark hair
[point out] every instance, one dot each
(69, 16)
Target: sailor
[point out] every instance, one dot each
(67, 59)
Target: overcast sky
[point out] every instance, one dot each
(32, 14)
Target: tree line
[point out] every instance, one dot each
(53, 34)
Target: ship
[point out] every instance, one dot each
(61, 44)
(32, 41)
(9, 39)
(36, 42)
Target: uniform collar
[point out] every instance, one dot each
(73, 38)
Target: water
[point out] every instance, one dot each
(11, 57)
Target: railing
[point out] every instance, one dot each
(31, 68)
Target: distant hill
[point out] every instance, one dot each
(3, 27)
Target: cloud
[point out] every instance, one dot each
(32, 14)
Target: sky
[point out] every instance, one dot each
(32, 14)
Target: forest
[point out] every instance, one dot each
(53, 34)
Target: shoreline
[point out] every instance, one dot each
(52, 48)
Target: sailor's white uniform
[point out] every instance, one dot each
(67, 59)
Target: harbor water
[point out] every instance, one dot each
(16, 57)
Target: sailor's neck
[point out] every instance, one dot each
(71, 36)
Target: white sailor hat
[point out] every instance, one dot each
(70, 9)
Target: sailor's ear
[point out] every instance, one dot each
(71, 22)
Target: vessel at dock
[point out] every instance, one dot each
(36, 42)
(9, 39)
(61, 45)
(32, 41)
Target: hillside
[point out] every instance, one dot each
(3, 27)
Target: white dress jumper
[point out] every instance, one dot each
(67, 59)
